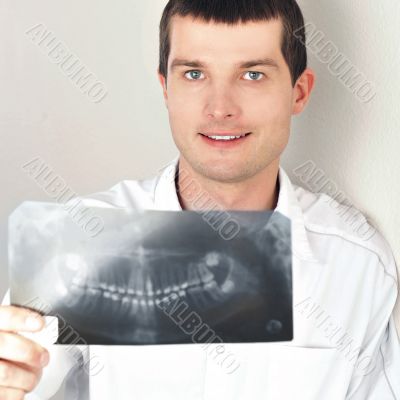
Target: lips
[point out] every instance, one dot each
(224, 135)
(225, 141)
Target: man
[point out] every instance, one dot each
(233, 73)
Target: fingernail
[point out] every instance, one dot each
(33, 322)
(44, 359)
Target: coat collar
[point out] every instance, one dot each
(288, 204)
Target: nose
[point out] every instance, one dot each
(221, 104)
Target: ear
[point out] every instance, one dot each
(302, 91)
(163, 83)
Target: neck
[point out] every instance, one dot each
(257, 193)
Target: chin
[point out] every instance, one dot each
(223, 172)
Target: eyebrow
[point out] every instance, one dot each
(266, 62)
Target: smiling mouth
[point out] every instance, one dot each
(225, 138)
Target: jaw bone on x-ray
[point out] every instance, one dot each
(155, 277)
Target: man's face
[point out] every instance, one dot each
(210, 90)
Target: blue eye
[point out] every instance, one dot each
(254, 75)
(193, 75)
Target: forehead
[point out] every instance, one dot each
(228, 43)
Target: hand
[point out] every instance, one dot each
(21, 359)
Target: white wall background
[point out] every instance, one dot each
(126, 136)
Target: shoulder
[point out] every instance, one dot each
(126, 193)
(343, 227)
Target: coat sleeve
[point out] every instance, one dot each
(378, 375)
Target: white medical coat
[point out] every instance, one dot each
(345, 343)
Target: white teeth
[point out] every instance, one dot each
(193, 275)
(205, 274)
(149, 288)
(225, 137)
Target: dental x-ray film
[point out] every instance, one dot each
(154, 277)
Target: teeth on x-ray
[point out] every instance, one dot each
(117, 287)
(199, 283)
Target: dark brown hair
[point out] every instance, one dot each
(234, 11)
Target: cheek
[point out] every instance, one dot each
(182, 117)
(270, 111)
(181, 94)
(184, 110)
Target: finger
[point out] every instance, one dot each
(35, 370)
(14, 319)
(15, 347)
(11, 394)
(13, 376)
